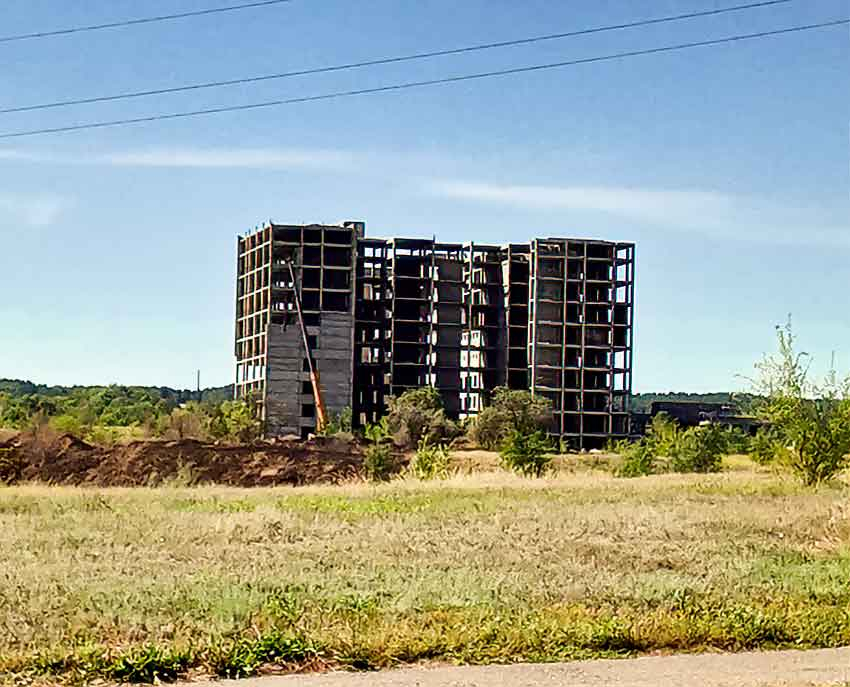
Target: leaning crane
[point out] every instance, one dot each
(321, 412)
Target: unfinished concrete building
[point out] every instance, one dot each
(553, 316)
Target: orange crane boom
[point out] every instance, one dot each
(321, 412)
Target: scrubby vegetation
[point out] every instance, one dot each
(528, 453)
(509, 411)
(668, 447)
(105, 414)
(106, 406)
(418, 414)
(147, 584)
(809, 421)
(639, 459)
(378, 463)
(430, 460)
(339, 424)
(806, 425)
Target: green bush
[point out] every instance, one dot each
(188, 422)
(527, 452)
(103, 436)
(234, 421)
(737, 441)
(430, 460)
(509, 410)
(638, 459)
(69, 424)
(810, 421)
(378, 463)
(663, 435)
(766, 445)
(489, 428)
(340, 423)
(418, 413)
(699, 449)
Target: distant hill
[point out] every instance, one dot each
(743, 401)
(17, 388)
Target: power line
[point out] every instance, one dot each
(419, 84)
(141, 20)
(390, 60)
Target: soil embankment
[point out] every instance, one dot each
(67, 460)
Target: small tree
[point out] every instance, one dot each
(737, 441)
(234, 421)
(699, 449)
(766, 445)
(418, 413)
(527, 452)
(509, 410)
(663, 435)
(188, 422)
(810, 420)
(378, 457)
(638, 459)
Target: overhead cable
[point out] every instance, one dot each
(419, 84)
(388, 60)
(140, 20)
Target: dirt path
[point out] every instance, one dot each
(786, 668)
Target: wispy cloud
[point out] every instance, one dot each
(643, 203)
(695, 211)
(246, 158)
(33, 210)
(21, 155)
(196, 158)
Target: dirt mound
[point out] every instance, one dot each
(68, 460)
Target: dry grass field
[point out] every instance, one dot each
(137, 584)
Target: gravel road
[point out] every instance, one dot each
(770, 669)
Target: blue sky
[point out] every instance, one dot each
(728, 166)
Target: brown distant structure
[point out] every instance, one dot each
(553, 316)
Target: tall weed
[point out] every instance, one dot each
(431, 460)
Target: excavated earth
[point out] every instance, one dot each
(67, 460)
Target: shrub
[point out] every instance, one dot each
(509, 410)
(338, 424)
(234, 421)
(638, 459)
(526, 452)
(431, 460)
(378, 461)
(663, 435)
(699, 449)
(737, 441)
(766, 445)
(489, 428)
(188, 422)
(418, 413)
(69, 424)
(104, 436)
(810, 420)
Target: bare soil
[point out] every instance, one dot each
(64, 459)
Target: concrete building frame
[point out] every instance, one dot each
(554, 316)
